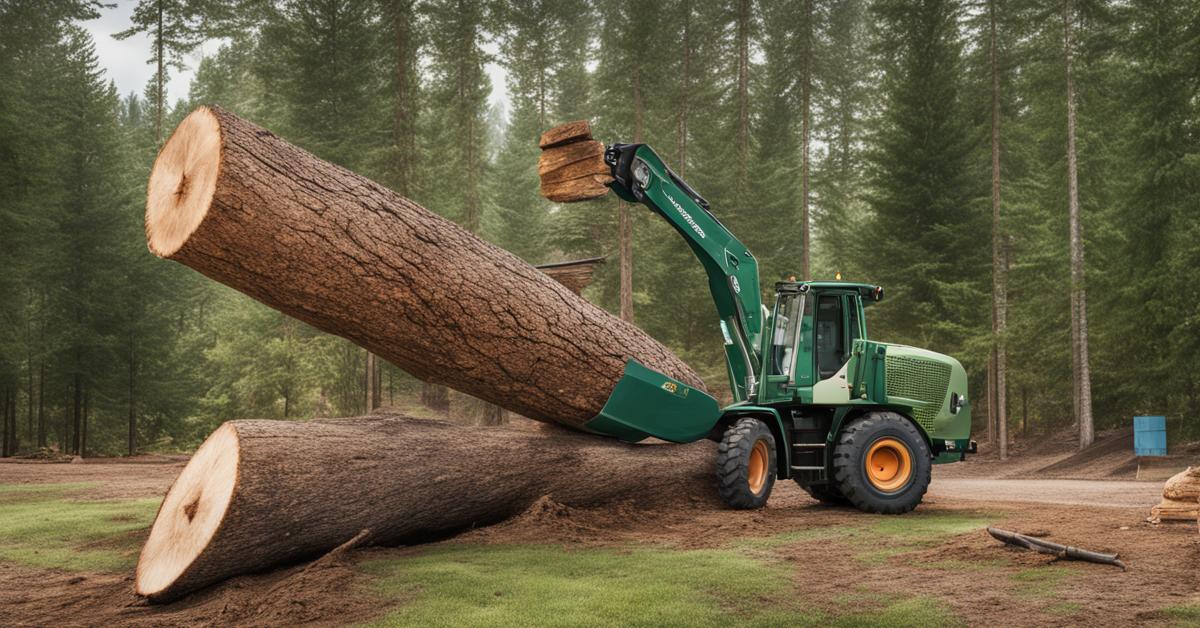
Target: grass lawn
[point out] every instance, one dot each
(521, 585)
(42, 526)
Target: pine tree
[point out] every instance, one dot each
(841, 93)
(174, 27)
(922, 191)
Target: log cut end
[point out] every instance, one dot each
(190, 514)
(182, 182)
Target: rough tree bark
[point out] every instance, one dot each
(999, 287)
(806, 85)
(262, 493)
(1082, 378)
(355, 259)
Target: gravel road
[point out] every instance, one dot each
(1106, 493)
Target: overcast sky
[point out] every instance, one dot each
(125, 60)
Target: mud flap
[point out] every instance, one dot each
(647, 403)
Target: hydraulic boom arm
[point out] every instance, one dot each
(640, 176)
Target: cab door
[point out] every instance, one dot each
(783, 347)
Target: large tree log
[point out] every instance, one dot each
(355, 259)
(262, 493)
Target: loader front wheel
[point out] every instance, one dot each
(746, 464)
(882, 463)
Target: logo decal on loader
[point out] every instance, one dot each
(686, 216)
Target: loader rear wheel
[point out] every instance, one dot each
(746, 464)
(882, 463)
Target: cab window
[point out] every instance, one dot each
(855, 326)
(831, 346)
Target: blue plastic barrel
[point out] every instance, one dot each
(1150, 435)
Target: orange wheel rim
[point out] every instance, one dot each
(888, 464)
(758, 466)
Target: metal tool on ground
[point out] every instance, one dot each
(850, 419)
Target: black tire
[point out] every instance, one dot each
(738, 463)
(826, 494)
(885, 432)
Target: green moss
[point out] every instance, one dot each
(521, 585)
(43, 529)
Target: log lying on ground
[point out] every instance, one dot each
(263, 493)
(1055, 549)
(355, 259)
(572, 166)
(1181, 498)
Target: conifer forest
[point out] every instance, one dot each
(1022, 178)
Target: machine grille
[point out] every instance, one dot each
(919, 379)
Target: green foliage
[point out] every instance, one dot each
(922, 193)
(93, 326)
(522, 585)
(41, 528)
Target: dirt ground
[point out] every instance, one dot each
(982, 581)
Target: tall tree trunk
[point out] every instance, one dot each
(132, 435)
(41, 411)
(404, 109)
(991, 397)
(83, 426)
(624, 213)
(64, 445)
(685, 94)
(999, 290)
(806, 84)
(159, 78)
(29, 386)
(78, 417)
(374, 395)
(742, 133)
(4, 440)
(435, 397)
(625, 257)
(244, 207)
(1079, 335)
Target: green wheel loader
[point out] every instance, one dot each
(851, 420)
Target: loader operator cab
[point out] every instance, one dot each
(814, 327)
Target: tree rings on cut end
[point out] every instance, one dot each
(190, 514)
(182, 182)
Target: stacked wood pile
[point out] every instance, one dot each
(572, 165)
(1181, 498)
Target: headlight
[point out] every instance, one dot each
(957, 402)
(641, 174)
